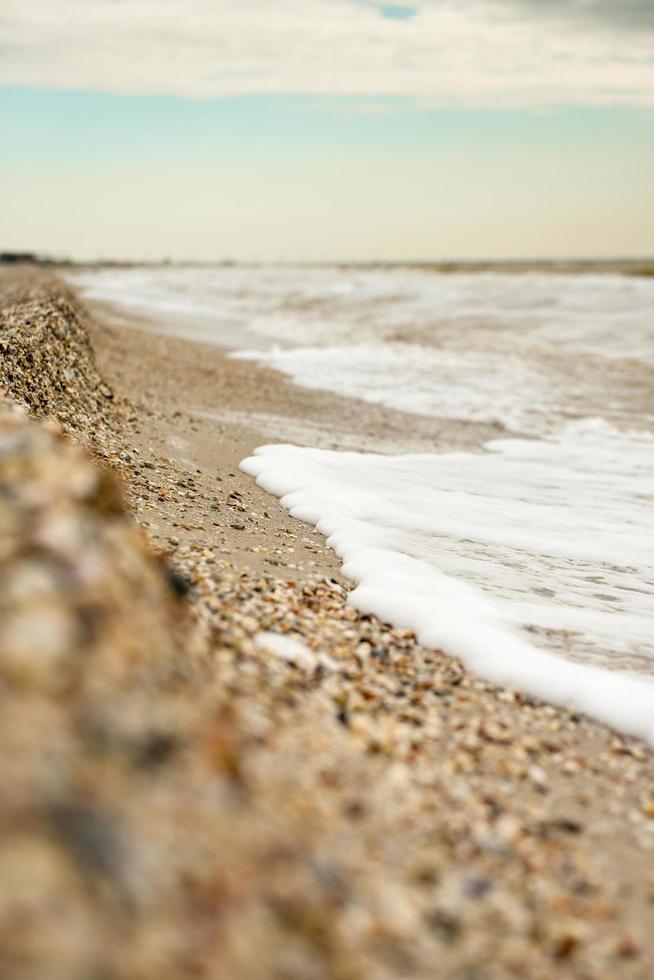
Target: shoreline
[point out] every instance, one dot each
(429, 824)
(208, 412)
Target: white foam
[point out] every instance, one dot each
(515, 559)
(474, 385)
(606, 315)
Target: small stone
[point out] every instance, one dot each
(626, 947)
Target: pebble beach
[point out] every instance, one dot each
(212, 765)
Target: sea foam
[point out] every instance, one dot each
(522, 560)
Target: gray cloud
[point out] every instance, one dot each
(628, 14)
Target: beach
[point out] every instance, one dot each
(349, 805)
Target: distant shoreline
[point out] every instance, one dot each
(636, 266)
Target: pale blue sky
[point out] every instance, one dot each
(409, 152)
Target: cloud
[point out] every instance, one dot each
(505, 53)
(622, 14)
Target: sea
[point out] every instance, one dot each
(529, 555)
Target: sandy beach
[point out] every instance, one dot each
(360, 808)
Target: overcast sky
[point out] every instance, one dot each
(328, 128)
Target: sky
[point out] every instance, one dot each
(322, 130)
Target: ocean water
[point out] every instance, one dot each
(532, 557)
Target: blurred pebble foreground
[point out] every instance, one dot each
(175, 802)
